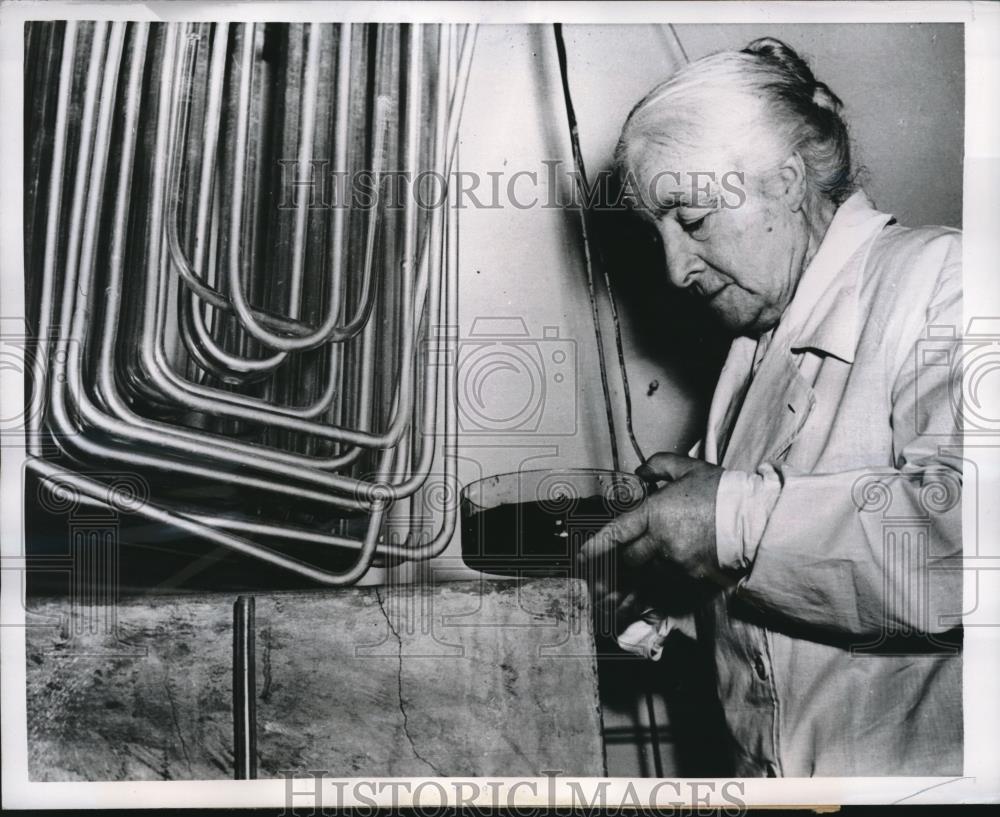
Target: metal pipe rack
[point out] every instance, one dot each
(278, 372)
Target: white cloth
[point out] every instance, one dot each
(645, 637)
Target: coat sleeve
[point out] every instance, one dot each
(876, 552)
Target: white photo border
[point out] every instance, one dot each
(981, 215)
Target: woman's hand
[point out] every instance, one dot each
(676, 524)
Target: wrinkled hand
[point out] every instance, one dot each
(675, 525)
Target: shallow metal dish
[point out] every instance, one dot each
(534, 522)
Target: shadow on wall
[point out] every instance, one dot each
(670, 326)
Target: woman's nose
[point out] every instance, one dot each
(683, 262)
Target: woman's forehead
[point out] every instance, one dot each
(659, 183)
(662, 176)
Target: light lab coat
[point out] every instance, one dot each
(838, 653)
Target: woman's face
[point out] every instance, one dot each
(744, 260)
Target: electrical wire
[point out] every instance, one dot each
(678, 43)
(581, 184)
(588, 255)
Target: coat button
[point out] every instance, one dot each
(759, 667)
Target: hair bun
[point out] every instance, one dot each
(785, 56)
(824, 98)
(798, 71)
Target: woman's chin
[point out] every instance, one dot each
(740, 317)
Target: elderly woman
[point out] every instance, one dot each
(823, 509)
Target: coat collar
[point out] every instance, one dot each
(823, 314)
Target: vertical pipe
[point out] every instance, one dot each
(123, 201)
(307, 134)
(39, 377)
(408, 322)
(244, 689)
(210, 143)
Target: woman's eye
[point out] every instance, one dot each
(694, 226)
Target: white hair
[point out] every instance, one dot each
(762, 103)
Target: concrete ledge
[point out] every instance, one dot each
(459, 679)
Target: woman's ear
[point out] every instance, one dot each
(791, 182)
